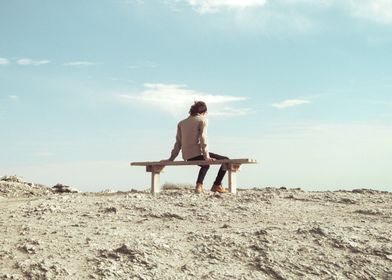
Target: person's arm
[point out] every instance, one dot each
(177, 146)
(204, 139)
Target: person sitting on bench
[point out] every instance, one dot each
(191, 139)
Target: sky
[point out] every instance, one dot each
(304, 87)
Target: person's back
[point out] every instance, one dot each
(191, 138)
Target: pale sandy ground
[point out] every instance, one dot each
(256, 234)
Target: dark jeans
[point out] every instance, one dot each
(204, 169)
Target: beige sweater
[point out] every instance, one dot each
(191, 138)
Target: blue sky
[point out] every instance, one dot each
(302, 86)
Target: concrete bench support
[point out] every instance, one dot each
(155, 172)
(232, 170)
(231, 165)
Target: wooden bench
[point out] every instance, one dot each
(156, 167)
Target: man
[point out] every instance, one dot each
(191, 138)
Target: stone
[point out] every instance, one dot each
(60, 188)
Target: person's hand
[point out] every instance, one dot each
(209, 159)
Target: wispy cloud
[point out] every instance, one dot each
(28, 61)
(211, 6)
(375, 10)
(175, 99)
(4, 61)
(273, 11)
(13, 97)
(289, 103)
(146, 64)
(79, 63)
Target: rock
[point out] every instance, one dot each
(13, 178)
(110, 210)
(170, 186)
(260, 232)
(318, 230)
(375, 212)
(108, 191)
(60, 188)
(28, 248)
(167, 215)
(41, 269)
(347, 201)
(365, 191)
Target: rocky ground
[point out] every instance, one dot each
(264, 233)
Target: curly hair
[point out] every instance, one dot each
(199, 107)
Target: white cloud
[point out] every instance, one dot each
(146, 64)
(13, 97)
(210, 6)
(79, 63)
(307, 2)
(290, 103)
(275, 21)
(176, 99)
(4, 61)
(374, 10)
(28, 61)
(279, 12)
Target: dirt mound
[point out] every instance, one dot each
(14, 186)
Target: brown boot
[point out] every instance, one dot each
(199, 188)
(219, 189)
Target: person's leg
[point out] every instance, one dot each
(203, 169)
(221, 172)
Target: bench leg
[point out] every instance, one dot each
(155, 171)
(155, 188)
(232, 182)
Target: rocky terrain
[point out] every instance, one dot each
(264, 233)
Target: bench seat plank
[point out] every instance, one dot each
(194, 162)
